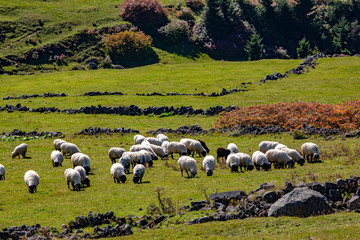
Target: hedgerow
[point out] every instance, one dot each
(344, 116)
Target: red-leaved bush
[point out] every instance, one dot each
(344, 116)
(146, 14)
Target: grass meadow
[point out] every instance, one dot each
(333, 81)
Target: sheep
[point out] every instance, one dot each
(260, 160)
(117, 171)
(138, 139)
(245, 161)
(279, 158)
(264, 146)
(294, 155)
(176, 147)
(69, 148)
(195, 146)
(189, 165)
(154, 141)
(145, 143)
(233, 161)
(162, 137)
(280, 146)
(72, 176)
(139, 171)
(136, 148)
(204, 146)
(209, 165)
(32, 180)
(233, 148)
(2, 172)
(164, 146)
(19, 150)
(125, 160)
(148, 158)
(222, 153)
(136, 158)
(57, 143)
(115, 153)
(80, 159)
(186, 142)
(84, 179)
(159, 151)
(56, 158)
(310, 151)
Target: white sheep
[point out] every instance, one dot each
(84, 179)
(245, 162)
(208, 164)
(189, 165)
(176, 147)
(139, 171)
(80, 159)
(69, 148)
(164, 146)
(159, 151)
(279, 158)
(154, 141)
(115, 153)
(148, 158)
(138, 147)
(264, 146)
(280, 146)
(56, 158)
(117, 171)
(2, 172)
(233, 148)
(196, 147)
(125, 160)
(32, 180)
(295, 155)
(20, 150)
(138, 139)
(57, 143)
(310, 151)
(233, 161)
(162, 137)
(260, 160)
(136, 157)
(145, 143)
(72, 176)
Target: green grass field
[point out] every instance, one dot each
(333, 81)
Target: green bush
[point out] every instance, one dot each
(176, 32)
(254, 47)
(304, 48)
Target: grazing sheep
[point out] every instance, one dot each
(186, 142)
(19, 150)
(245, 162)
(118, 173)
(154, 141)
(125, 160)
(136, 158)
(260, 160)
(72, 176)
(222, 153)
(84, 179)
(32, 180)
(209, 165)
(69, 148)
(279, 158)
(264, 146)
(139, 171)
(137, 148)
(189, 165)
(294, 155)
(145, 143)
(310, 151)
(57, 143)
(162, 137)
(176, 147)
(159, 151)
(148, 158)
(164, 146)
(204, 146)
(80, 159)
(138, 139)
(2, 172)
(280, 146)
(115, 153)
(56, 158)
(233, 148)
(233, 161)
(196, 146)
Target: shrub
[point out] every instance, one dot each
(186, 14)
(146, 14)
(175, 32)
(195, 5)
(128, 46)
(254, 48)
(304, 48)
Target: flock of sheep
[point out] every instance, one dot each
(148, 149)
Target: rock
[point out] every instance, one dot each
(330, 185)
(335, 195)
(301, 202)
(227, 196)
(288, 187)
(204, 219)
(270, 197)
(340, 183)
(354, 202)
(160, 219)
(267, 186)
(351, 185)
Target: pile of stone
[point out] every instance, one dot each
(97, 93)
(97, 131)
(36, 95)
(34, 133)
(189, 130)
(213, 94)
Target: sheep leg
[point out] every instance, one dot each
(141, 180)
(241, 169)
(187, 173)
(72, 184)
(172, 156)
(68, 184)
(182, 173)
